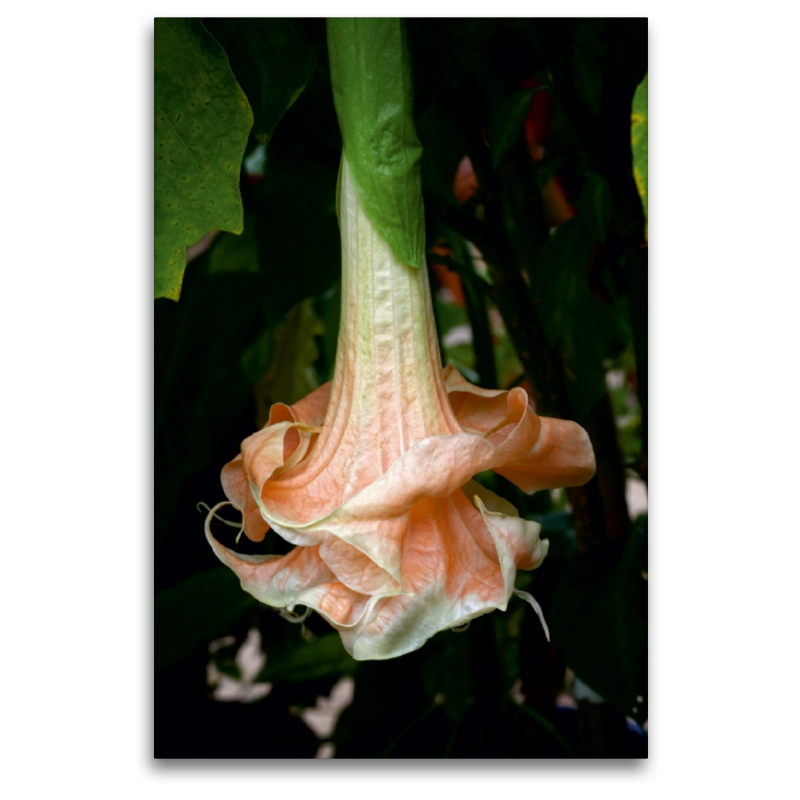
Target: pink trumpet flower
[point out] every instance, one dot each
(370, 476)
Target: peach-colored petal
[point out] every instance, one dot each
(310, 410)
(274, 448)
(562, 457)
(355, 569)
(235, 486)
(520, 536)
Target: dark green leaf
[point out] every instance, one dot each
(443, 148)
(588, 78)
(194, 612)
(548, 169)
(305, 661)
(371, 76)
(584, 329)
(432, 44)
(558, 528)
(507, 123)
(272, 60)
(448, 678)
(236, 253)
(596, 205)
(549, 727)
(639, 142)
(599, 620)
(469, 32)
(202, 121)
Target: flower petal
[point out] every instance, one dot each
(300, 577)
(274, 448)
(235, 486)
(310, 410)
(562, 456)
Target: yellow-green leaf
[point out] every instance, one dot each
(202, 122)
(639, 142)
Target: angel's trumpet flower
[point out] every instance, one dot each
(370, 475)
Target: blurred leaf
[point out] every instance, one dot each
(588, 34)
(639, 142)
(447, 673)
(300, 660)
(236, 253)
(540, 719)
(298, 235)
(432, 45)
(596, 206)
(586, 73)
(289, 375)
(588, 79)
(507, 122)
(372, 86)
(194, 612)
(202, 121)
(469, 32)
(272, 60)
(443, 148)
(599, 620)
(548, 169)
(389, 710)
(558, 527)
(585, 329)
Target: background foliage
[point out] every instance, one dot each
(537, 253)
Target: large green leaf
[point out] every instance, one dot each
(372, 89)
(272, 61)
(202, 121)
(194, 612)
(599, 621)
(639, 142)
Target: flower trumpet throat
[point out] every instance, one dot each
(370, 475)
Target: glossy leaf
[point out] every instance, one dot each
(639, 143)
(194, 612)
(371, 76)
(272, 61)
(202, 121)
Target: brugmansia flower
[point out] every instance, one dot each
(370, 475)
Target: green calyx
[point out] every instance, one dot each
(371, 77)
